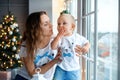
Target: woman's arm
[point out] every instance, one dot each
(28, 62)
(50, 64)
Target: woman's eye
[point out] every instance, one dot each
(45, 24)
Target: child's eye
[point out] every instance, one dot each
(64, 23)
(58, 24)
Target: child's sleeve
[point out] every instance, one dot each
(83, 40)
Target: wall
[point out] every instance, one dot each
(17, 7)
(38, 5)
(53, 8)
(57, 7)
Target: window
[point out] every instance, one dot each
(100, 22)
(107, 39)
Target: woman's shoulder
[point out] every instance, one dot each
(22, 52)
(23, 44)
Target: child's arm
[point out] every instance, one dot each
(83, 49)
(55, 42)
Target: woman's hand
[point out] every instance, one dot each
(81, 50)
(50, 64)
(58, 56)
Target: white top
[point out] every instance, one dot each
(70, 60)
(42, 57)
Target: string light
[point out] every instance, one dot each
(9, 42)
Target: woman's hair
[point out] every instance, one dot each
(32, 31)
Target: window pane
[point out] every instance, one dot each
(90, 6)
(91, 33)
(107, 39)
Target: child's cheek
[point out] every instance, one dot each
(59, 29)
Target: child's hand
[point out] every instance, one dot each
(55, 42)
(61, 32)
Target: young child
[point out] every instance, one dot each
(72, 46)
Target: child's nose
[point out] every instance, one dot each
(61, 25)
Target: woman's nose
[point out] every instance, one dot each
(51, 25)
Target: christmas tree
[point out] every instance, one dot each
(9, 43)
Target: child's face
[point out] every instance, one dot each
(65, 23)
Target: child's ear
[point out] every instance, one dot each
(73, 26)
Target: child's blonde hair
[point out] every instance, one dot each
(70, 16)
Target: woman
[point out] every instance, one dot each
(36, 52)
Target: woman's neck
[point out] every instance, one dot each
(44, 42)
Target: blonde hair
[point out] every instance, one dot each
(69, 16)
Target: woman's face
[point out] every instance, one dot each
(46, 26)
